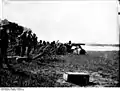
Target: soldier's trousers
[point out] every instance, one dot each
(18, 50)
(3, 56)
(28, 50)
(24, 48)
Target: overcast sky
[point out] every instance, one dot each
(79, 21)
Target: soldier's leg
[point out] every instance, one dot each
(23, 50)
(1, 59)
(19, 51)
(28, 50)
(34, 47)
(28, 54)
(4, 56)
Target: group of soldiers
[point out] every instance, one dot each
(57, 47)
(61, 48)
(25, 42)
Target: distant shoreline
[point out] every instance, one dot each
(104, 51)
(114, 45)
(91, 44)
(100, 48)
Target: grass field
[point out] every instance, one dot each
(102, 66)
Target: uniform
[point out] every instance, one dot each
(23, 43)
(34, 39)
(3, 45)
(18, 47)
(29, 42)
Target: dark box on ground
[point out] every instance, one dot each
(81, 79)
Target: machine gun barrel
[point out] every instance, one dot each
(77, 44)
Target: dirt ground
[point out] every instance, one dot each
(103, 68)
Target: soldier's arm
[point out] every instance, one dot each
(21, 34)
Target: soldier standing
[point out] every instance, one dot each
(26, 41)
(3, 45)
(44, 43)
(34, 39)
(23, 37)
(69, 46)
(18, 47)
(29, 42)
(40, 43)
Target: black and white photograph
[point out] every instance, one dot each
(59, 43)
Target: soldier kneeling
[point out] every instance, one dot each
(82, 51)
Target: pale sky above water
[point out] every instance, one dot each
(80, 21)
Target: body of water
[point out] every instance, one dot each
(100, 48)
